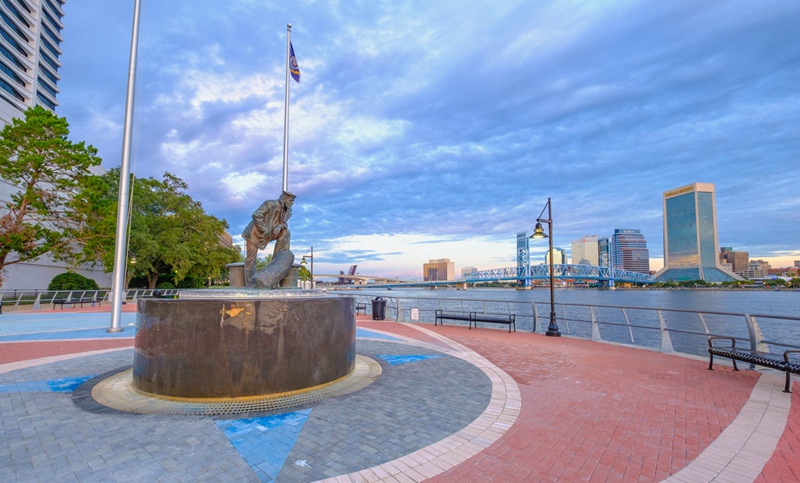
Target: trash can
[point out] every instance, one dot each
(378, 308)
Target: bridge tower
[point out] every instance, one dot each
(523, 261)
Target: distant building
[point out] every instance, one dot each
(629, 251)
(560, 256)
(737, 260)
(585, 251)
(756, 269)
(604, 252)
(690, 236)
(468, 270)
(439, 270)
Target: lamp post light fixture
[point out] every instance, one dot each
(303, 262)
(538, 234)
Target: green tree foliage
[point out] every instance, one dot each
(44, 215)
(169, 231)
(304, 274)
(72, 281)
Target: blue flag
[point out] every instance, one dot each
(293, 67)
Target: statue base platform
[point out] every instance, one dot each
(245, 342)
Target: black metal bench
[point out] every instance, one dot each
(474, 318)
(361, 308)
(73, 302)
(765, 359)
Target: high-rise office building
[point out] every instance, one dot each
(630, 251)
(30, 48)
(560, 256)
(467, 270)
(585, 251)
(439, 270)
(604, 252)
(30, 38)
(690, 236)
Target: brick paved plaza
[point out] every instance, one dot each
(450, 405)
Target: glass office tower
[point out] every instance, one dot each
(690, 235)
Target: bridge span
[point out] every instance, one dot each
(564, 271)
(579, 273)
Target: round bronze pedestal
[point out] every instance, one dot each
(234, 347)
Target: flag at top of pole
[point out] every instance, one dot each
(293, 67)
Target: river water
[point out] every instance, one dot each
(777, 313)
(783, 302)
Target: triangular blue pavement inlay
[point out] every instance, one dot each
(65, 384)
(404, 358)
(368, 334)
(265, 442)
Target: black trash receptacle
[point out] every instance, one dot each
(378, 308)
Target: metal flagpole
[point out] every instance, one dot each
(121, 247)
(286, 113)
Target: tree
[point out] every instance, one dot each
(169, 231)
(50, 172)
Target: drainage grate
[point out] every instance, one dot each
(117, 392)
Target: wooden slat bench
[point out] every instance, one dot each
(765, 359)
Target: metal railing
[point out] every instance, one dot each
(665, 330)
(40, 299)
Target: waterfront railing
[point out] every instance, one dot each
(662, 329)
(42, 299)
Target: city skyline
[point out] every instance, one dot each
(421, 131)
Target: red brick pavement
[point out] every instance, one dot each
(24, 351)
(590, 411)
(599, 412)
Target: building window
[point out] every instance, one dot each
(46, 87)
(25, 6)
(51, 34)
(10, 72)
(13, 26)
(13, 58)
(47, 102)
(48, 60)
(11, 40)
(17, 13)
(50, 47)
(44, 70)
(10, 89)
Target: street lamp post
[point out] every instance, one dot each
(538, 233)
(311, 257)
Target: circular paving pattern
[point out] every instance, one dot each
(118, 392)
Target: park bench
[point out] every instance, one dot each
(765, 359)
(73, 302)
(474, 318)
(362, 308)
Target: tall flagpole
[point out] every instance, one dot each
(121, 247)
(286, 113)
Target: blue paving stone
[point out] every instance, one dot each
(368, 334)
(396, 360)
(64, 384)
(264, 443)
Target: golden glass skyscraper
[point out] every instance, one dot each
(690, 235)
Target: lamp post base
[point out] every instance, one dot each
(553, 333)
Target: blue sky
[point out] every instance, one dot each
(428, 130)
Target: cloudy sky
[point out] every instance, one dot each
(428, 130)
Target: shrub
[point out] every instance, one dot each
(72, 281)
(165, 286)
